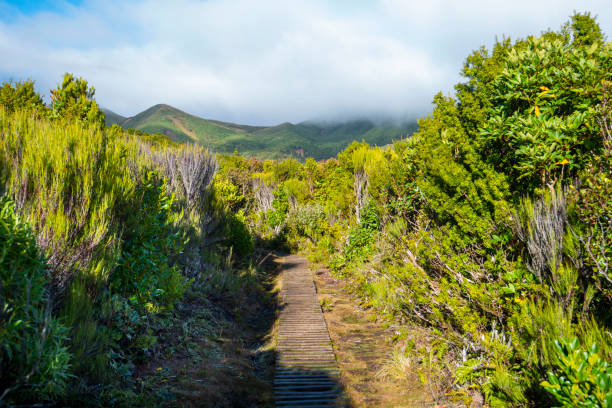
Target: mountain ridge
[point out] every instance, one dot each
(304, 139)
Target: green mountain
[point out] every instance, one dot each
(306, 139)
(113, 118)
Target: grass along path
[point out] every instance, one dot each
(364, 348)
(216, 349)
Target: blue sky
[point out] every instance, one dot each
(266, 61)
(13, 8)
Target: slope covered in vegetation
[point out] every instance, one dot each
(489, 231)
(487, 236)
(103, 234)
(306, 139)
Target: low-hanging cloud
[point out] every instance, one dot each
(266, 62)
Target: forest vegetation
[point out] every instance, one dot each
(487, 234)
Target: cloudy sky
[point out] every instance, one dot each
(264, 61)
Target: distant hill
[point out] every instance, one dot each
(306, 139)
(113, 118)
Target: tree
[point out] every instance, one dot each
(20, 95)
(73, 99)
(583, 30)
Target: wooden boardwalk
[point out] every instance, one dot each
(307, 374)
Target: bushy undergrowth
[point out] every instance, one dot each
(490, 227)
(582, 378)
(34, 357)
(122, 227)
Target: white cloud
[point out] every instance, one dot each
(269, 61)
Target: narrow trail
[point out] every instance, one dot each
(307, 373)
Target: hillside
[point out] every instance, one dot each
(113, 118)
(306, 139)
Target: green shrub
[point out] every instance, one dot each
(33, 354)
(73, 100)
(275, 217)
(307, 221)
(580, 378)
(106, 224)
(19, 96)
(360, 237)
(144, 270)
(542, 124)
(238, 235)
(229, 194)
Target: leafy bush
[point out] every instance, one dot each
(144, 269)
(307, 221)
(275, 217)
(106, 224)
(73, 100)
(360, 237)
(20, 95)
(238, 235)
(580, 378)
(229, 194)
(544, 108)
(34, 359)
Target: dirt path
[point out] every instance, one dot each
(307, 374)
(363, 347)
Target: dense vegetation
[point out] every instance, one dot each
(487, 235)
(102, 232)
(306, 139)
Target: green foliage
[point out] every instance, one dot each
(280, 207)
(481, 68)
(334, 190)
(111, 232)
(67, 181)
(229, 194)
(462, 192)
(541, 124)
(238, 235)
(580, 378)
(144, 271)
(582, 29)
(20, 95)
(73, 99)
(308, 221)
(360, 238)
(33, 356)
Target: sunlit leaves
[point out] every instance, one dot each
(542, 120)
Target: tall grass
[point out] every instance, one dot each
(68, 182)
(109, 226)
